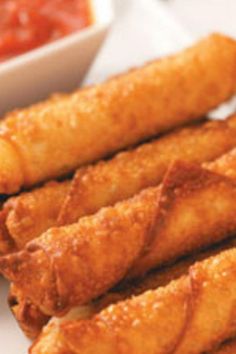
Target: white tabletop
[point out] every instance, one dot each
(142, 30)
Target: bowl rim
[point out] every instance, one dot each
(103, 15)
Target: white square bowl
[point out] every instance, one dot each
(58, 66)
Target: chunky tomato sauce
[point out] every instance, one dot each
(28, 24)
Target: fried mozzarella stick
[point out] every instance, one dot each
(156, 227)
(129, 172)
(190, 315)
(31, 319)
(26, 216)
(54, 137)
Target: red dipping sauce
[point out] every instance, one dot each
(28, 24)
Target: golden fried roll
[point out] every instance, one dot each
(31, 319)
(54, 137)
(51, 337)
(191, 315)
(129, 172)
(26, 216)
(226, 166)
(156, 227)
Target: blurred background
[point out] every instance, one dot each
(204, 16)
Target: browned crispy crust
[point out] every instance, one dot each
(7, 244)
(129, 172)
(190, 198)
(226, 163)
(191, 315)
(101, 235)
(54, 137)
(29, 317)
(32, 321)
(156, 227)
(26, 216)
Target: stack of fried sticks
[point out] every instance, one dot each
(135, 253)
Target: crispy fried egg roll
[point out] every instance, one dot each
(52, 339)
(156, 227)
(29, 214)
(31, 319)
(26, 216)
(171, 228)
(53, 138)
(190, 315)
(129, 172)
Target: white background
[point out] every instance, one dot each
(204, 16)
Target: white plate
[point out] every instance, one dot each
(143, 31)
(58, 66)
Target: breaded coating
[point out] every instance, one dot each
(31, 319)
(53, 138)
(129, 172)
(51, 340)
(26, 216)
(156, 227)
(99, 249)
(191, 315)
(226, 163)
